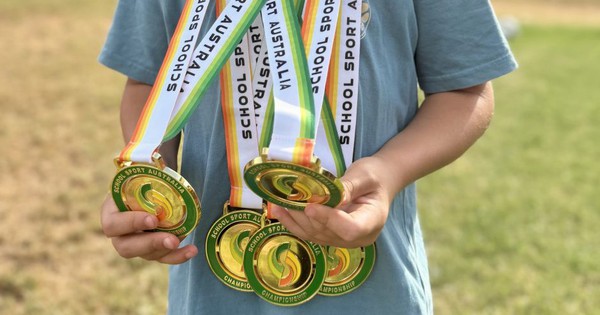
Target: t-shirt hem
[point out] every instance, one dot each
(470, 77)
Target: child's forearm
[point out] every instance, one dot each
(446, 125)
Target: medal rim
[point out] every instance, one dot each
(212, 258)
(315, 171)
(319, 266)
(360, 277)
(191, 201)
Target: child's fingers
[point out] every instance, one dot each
(115, 223)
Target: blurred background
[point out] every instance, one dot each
(513, 227)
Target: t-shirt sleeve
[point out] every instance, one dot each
(460, 44)
(138, 39)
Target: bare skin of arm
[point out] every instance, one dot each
(126, 229)
(445, 126)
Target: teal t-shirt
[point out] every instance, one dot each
(406, 44)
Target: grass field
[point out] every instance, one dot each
(510, 228)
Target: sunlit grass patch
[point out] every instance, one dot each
(511, 227)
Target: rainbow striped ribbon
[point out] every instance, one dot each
(294, 119)
(328, 147)
(210, 56)
(256, 35)
(239, 121)
(299, 60)
(318, 32)
(262, 83)
(300, 5)
(343, 84)
(153, 120)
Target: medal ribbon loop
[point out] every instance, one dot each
(153, 120)
(239, 122)
(294, 118)
(299, 61)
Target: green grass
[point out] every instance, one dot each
(513, 226)
(60, 130)
(23, 8)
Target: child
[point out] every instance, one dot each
(450, 49)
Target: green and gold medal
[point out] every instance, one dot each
(157, 190)
(347, 269)
(225, 245)
(227, 238)
(283, 269)
(291, 185)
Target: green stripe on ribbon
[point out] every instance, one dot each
(267, 128)
(333, 138)
(307, 107)
(190, 104)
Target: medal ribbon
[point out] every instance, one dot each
(328, 146)
(239, 121)
(262, 84)
(294, 119)
(342, 84)
(210, 56)
(295, 113)
(339, 110)
(299, 5)
(153, 120)
(256, 34)
(318, 31)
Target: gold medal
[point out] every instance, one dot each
(347, 269)
(157, 190)
(225, 245)
(283, 269)
(291, 185)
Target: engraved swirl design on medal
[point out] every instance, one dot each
(231, 248)
(342, 263)
(283, 269)
(284, 264)
(347, 269)
(226, 242)
(144, 193)
(159, 191)
(293, 186)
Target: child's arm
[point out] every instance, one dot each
(126, 228)
(445, 126)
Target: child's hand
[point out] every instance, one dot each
(126, 230)
(354, 223)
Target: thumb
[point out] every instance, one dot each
(356, 183)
